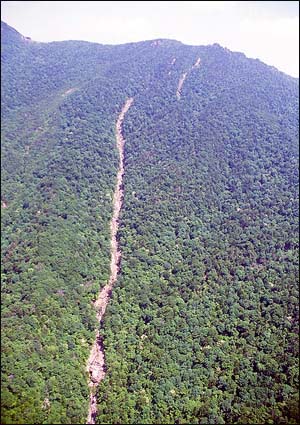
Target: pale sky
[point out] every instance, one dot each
(267, 30)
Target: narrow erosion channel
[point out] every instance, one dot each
(96, 363)
(183, 77)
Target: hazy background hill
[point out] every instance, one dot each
(203, 322)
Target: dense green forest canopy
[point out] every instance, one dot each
(202, 326)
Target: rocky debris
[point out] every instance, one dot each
(96, 362)
(46, 403)
(69, 91)
(180, 84)
(183, 77)
(196, 64)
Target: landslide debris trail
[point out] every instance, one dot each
(183, 77)
(180, 84)
(96, 362)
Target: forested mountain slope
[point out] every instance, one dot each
(202, 326)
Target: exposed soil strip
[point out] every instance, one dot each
(196, 64)
(69, 91)
(180, 84)
(96, 362)
(183, 77)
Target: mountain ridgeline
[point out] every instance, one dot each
(202, 323)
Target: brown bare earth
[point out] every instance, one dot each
(96, 362)
(196, 64)
(183, 77)
(69, 91)
(180, 84)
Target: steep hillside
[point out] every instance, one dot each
(202, 325)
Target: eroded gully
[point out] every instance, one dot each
(183, 77)
(96, 363)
